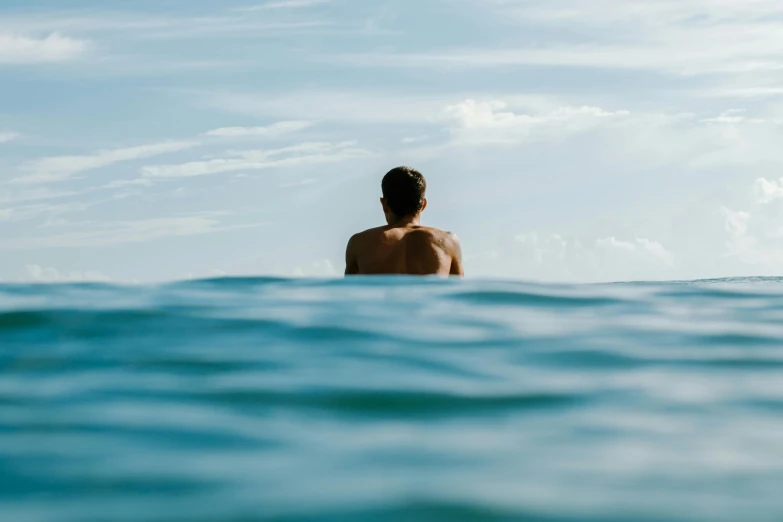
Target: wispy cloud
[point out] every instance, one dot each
(493, 122)
(140, 25)
(16, 49)
(329, 106)
(284, 4)
(5, 137)
(348, 105)
(276, 129)
(124, 232)
(673, 36)
(37, 194)
(732, 117)
(648, 15)
(303, 154)
(674, 57)
(31, 211)
(60, 168)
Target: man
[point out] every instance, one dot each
(404, 246)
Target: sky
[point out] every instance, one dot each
(566, 141)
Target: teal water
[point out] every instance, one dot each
(392, 400)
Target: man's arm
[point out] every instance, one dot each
(351, 259)
(456, 257)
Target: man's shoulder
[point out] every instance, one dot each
(365, 236)
(368, 233)
(438, 233)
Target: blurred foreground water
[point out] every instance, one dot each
(392, 399)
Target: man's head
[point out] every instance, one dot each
(404, 191)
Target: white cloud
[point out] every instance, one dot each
(276, 129)
(303, 154)
(15, 49)
(737, 229)
(555, 257)
(59, 168)
(5, 137)
(768, 191)
(636, 140)
(472, 114)
(637, 137)
(656, 250)
(284, 4)
(746, 242)
(491, 121)
(755, 239)
(38, 274)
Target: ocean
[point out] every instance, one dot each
(392, 399)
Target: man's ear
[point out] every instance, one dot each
(423, 205)
(383, 204)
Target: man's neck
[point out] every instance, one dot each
(408, 221)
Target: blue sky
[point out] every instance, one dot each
(562, 140)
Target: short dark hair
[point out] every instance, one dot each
(404, 189)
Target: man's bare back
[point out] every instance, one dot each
(411, 250)
(404, 246)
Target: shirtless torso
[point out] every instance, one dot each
(406, 249)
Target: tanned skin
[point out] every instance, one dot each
(404, 247)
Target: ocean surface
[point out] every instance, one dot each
(392, 400)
